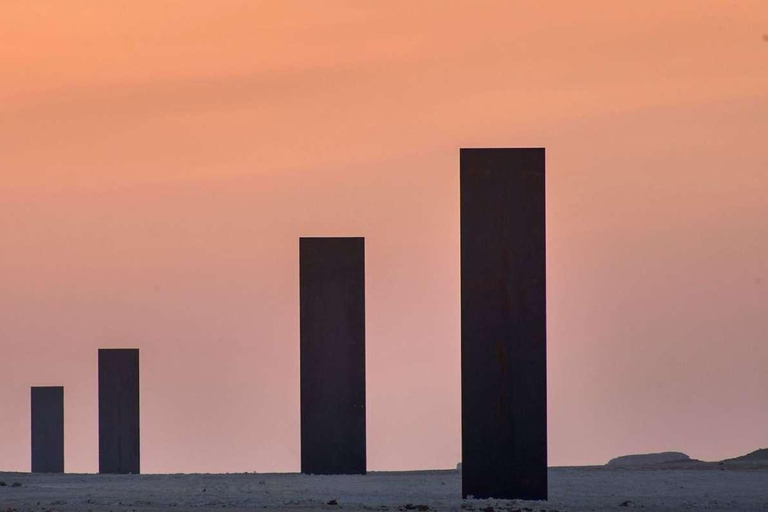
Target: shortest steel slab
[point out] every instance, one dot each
(47, 429)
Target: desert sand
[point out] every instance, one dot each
(709, 487)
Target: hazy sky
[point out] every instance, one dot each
(160, 159)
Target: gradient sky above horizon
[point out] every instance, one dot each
(159, 161)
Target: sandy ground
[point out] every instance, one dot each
(571, 489)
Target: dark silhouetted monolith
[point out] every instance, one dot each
(332, 301)
(119, 450)
(503, 324)
(47, 429)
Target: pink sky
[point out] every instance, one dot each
(159, 160)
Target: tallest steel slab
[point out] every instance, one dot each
(119, 448)
(332, 360)
(503, 324)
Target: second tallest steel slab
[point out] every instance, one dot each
(332, 331)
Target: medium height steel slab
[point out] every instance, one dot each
(503, 324)
(47, 429)
(332, 315)
(119, 448)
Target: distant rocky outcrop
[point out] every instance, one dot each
(759, 456)
(679, 460)
(648, 459)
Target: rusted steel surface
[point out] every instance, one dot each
(47, 429)
(332, 302)
(119, 436)
(503, 323)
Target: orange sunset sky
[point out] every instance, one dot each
(160, 159)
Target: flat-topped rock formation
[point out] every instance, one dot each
(649, 459)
